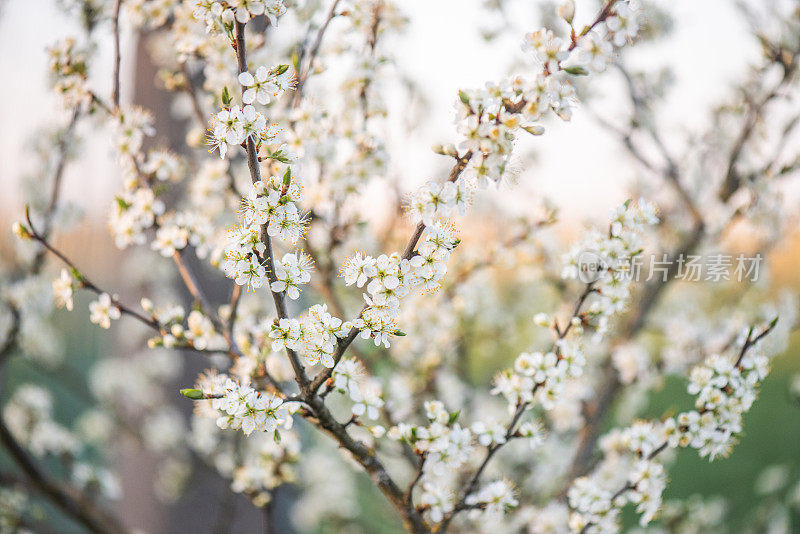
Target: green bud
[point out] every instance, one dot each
(287, 178)
(194, 394)
(399, 333)
(226, 97)
(277, 437)
(21, 231)
(76, 274)
(464, 97)
(577, 71)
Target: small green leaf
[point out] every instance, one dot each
(453, 417)
(226, 97)
(464, 97)
(122, 203)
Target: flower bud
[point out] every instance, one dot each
(147, 305)
(541, 319)
(567, 10)
(190, 393)
(536, 129)
(21, 231)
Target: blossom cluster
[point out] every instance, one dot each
(725, 392)
(389, 278)
(314, 336)
(221, 16)
(629, 474)
(446, 444)
(245, 408)
(70, 71)
(489, 118)
(270, 204)
(350, 378)
(613, 251)
(544, 375)
(538, 375)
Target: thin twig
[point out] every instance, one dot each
(115, 31)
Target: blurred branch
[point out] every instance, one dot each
(62, 153)
(72, 502)
(115, 32)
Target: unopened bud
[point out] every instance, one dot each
(536, 129)
(147, 305)
(194, 394)
(567, 10)
(21, 231)
(541, 319)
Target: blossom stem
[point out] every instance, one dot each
(341, 346)
(197, 293)
(255, 175)
(88, 284)
(62, 149)
(511, 428)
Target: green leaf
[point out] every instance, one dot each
(226, 97)
(453, 417)
(122, 203)
(464, 97)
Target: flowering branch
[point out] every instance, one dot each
(255, 174)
